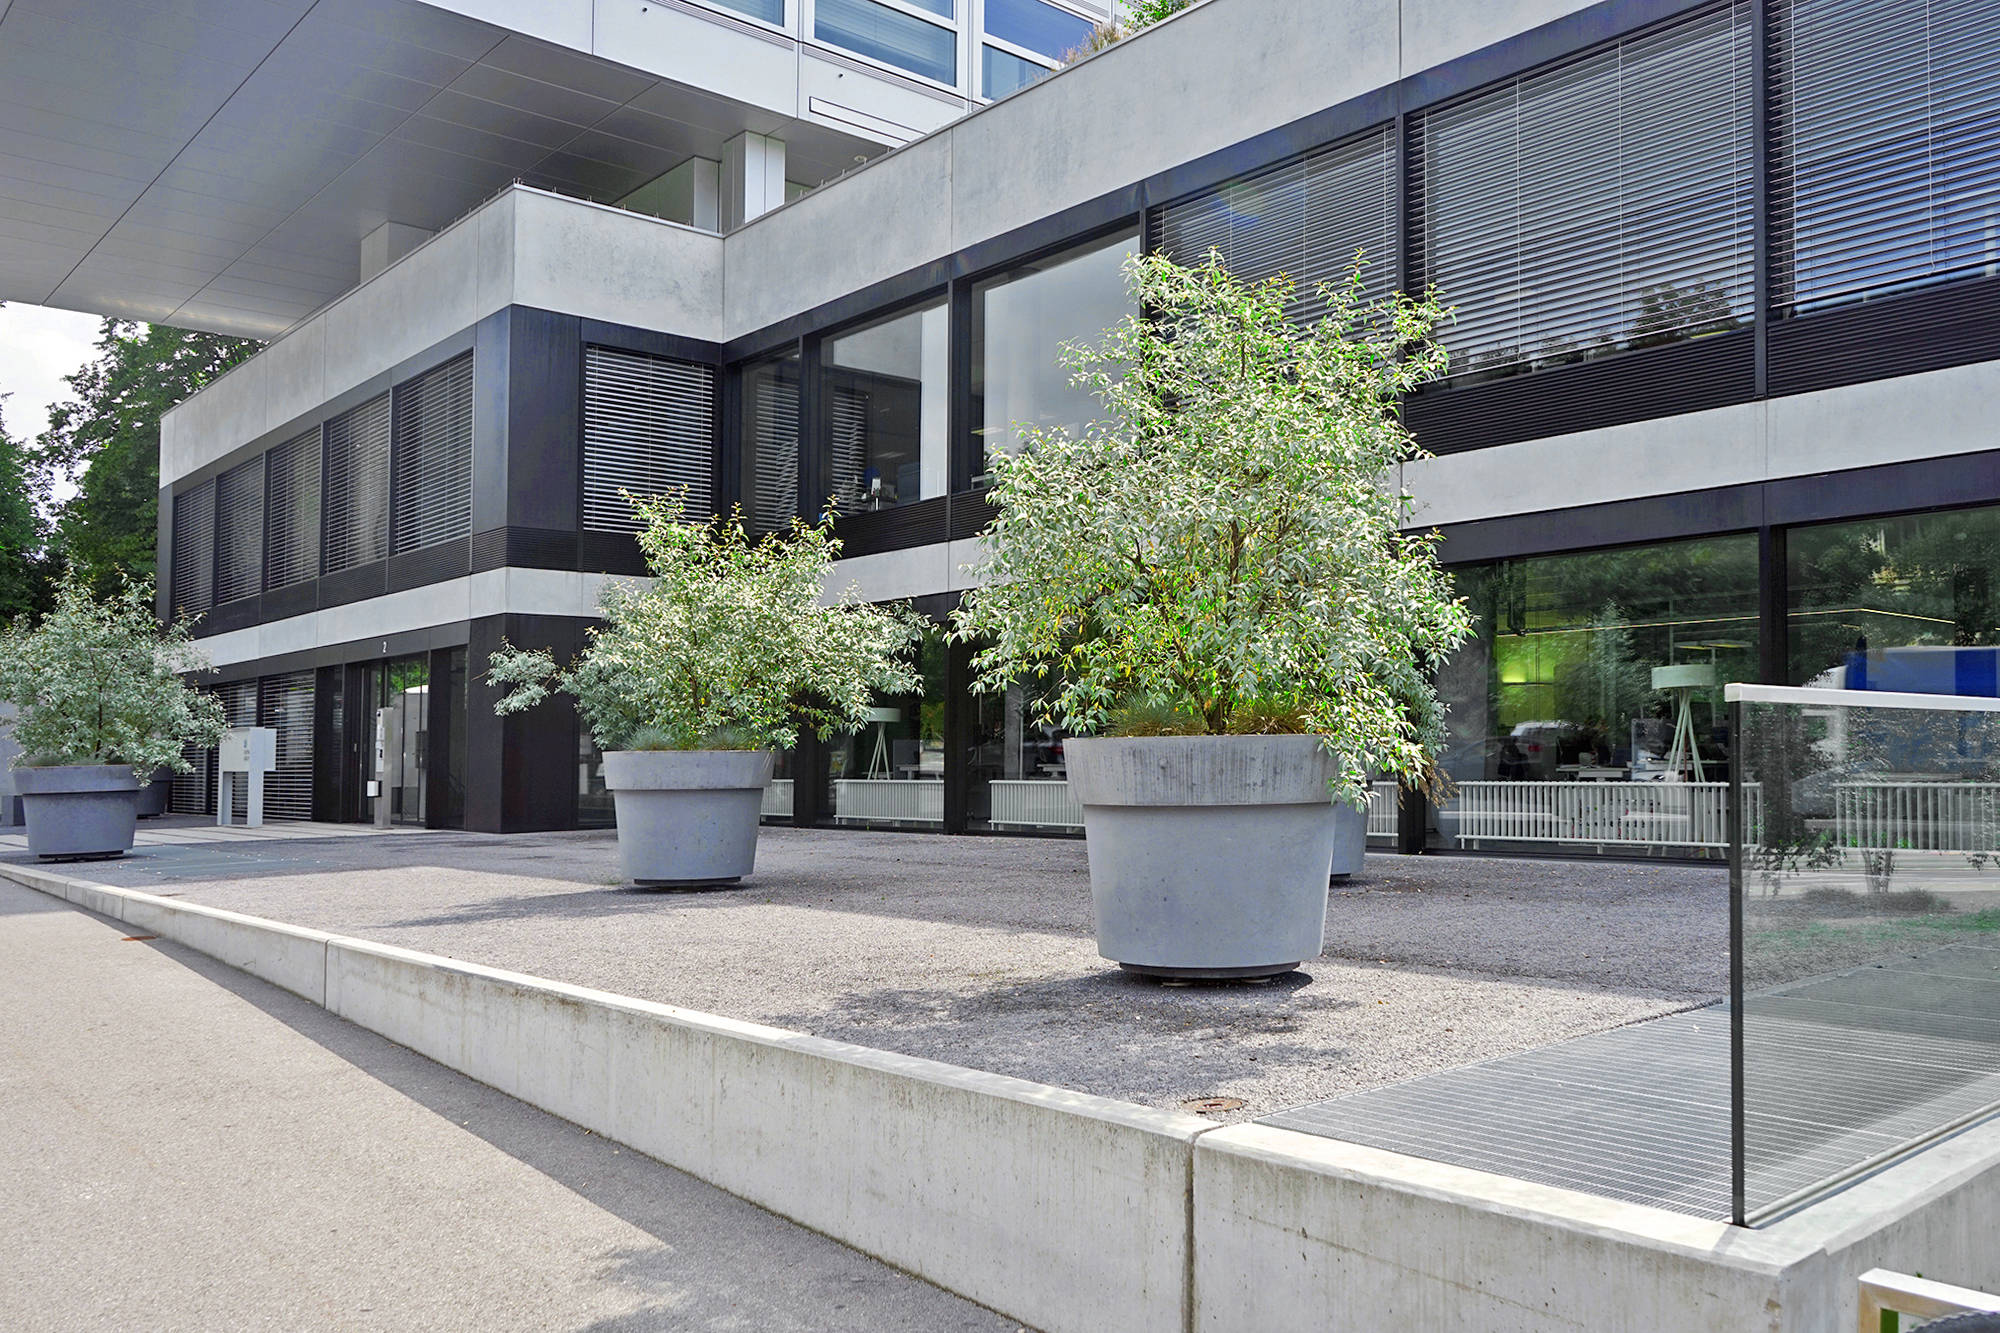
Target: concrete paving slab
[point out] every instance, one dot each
(194, 1149)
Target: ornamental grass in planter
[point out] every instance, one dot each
(101, 705)
(1214, 585)
(695, 677)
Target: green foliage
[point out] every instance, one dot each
(27, 571)
(107, 438)
(729, 646)
(97, 681)
(1228, 540)
(1140, 13)
(1132, 16)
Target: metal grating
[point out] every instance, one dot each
(432, 456)
(1600, 203)
(193, 792)
(193, 573)
(1885, 163)
(772, 471)
(648, 428)
(239, 531)
(285, 703)
(291, 500)
(356, 500)
(1306, 217)
(239, 709)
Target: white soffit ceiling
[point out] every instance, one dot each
(214, 164)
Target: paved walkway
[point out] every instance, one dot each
(187, 831)
(187, 1148)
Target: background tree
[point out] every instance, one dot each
(106, 439)
(26, 566)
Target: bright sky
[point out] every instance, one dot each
(38, 347)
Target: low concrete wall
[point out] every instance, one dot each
(1063, 1210)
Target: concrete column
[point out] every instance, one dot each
(753, 178)
(388, 243)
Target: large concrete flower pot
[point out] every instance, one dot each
(1209, 855)
(79, 810)
(1350, 842)
(155, 796)
(687, 817)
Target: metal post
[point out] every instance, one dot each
(1737, 834)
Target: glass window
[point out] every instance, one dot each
(1003, 72)
(770, 442)
(1019, 780)
(770, 11)
(1896, 603)
(1021, 319)
(1586, 713)
(1036, 26)
(885, 404)
(889, 35)
(892, 770)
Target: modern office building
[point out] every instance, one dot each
(1727, 275)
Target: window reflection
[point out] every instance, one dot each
(1021, 319)
(885, 402)
(892, 770)
(1019, 777)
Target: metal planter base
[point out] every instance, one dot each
(1209, 855)
(79, 811)
(687, 818)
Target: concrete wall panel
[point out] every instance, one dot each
(1435, 31)
(294, 374)
(886, 575)
(602, 263)
(424, 297)
(1886, 421)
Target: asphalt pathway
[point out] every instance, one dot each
(188, 1148)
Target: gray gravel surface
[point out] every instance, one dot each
(188, 1148)
(978, 951)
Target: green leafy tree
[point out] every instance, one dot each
(730, 646)
(26, 567)
(99, 681)
(106, 439)
(1226, 543)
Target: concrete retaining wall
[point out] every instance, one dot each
(1073, 1212)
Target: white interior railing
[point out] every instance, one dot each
(1602, 814)
(1918, 816)
(1034, 803)
(907, 800)
(1382, 810)
(778, 799)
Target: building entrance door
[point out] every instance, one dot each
(398, 691)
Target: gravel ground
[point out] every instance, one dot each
(978, 951)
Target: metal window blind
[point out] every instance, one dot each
(1886, 146)
(1600, 203)
(648, 427)
(774, 491)
(285, 704)
(239, 531)
(291, 498)
(847, 429)
(356, 498)
(193, 792)
(432, 456)
(194, 550)
(1306, 217)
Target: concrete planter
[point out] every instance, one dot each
(687, 817)
(79, 810)
(1209, 855)
(156, 794)
(1350, 840)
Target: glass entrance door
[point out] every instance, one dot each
(399, 755)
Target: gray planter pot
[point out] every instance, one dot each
(79, 810)
(1209, 855)
(155, 795)
(1350, 840)
(687, 817)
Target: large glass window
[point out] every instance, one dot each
(1897, 603)
(885, 402)
(1003, 72)
(889, 35)
(1888, 163)
(1036, 26)
(1587, 712)
(1019, 778)
(892, 770)
(1598, 204)
(770, 11)
(769, 441)
(1021, 319)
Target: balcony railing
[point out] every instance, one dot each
(1598, 814)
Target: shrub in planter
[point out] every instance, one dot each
(694, 678)
(1218, 570)
(100, 706)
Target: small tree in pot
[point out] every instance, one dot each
(1218, 570)
(695, 678)
(100, 703)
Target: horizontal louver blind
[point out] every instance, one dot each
(285, 704)
(433, 456)
(648, 428)
(292, 491)
(1307, 217)
(193, 792)
(848, 430)
(239, 531)
(774, 498)
(239, 709)
(1599, 204)
(1886, 133)
(357, 486)
(194, 550)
